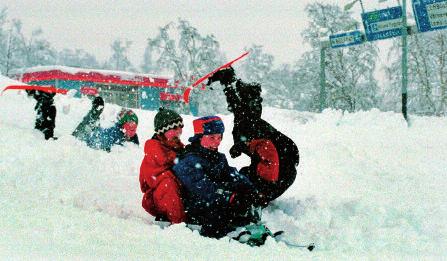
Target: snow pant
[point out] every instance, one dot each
(164, 202)
(217, 222)
(46, 120)
(267, 189)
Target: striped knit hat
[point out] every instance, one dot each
(166, 120)
(127, 115)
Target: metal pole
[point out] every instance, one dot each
(404, 60)
(361, 5)
(322, 78)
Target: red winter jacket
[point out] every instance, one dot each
(161, 188)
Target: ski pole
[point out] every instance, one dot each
(309, 247)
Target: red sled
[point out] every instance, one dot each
(203, 78)
(49, 89)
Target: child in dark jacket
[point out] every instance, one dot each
(46, 112)
(214, 193)
(274, 156)
(162, 196)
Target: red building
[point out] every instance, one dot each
(131, 90)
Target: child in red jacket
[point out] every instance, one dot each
(161, 188)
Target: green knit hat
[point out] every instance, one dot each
(126, 115)
(165, 120)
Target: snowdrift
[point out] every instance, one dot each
(367, 187)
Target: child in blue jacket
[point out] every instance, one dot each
(215, 195)
(96, 137)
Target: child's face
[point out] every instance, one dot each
(173, 133)
(130, 129)
(211, 141)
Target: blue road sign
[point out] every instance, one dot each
(430, 14)
(383, 24)
(345, 39)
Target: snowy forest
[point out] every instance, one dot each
(182, 51)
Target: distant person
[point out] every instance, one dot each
(124, 130)
(45, 113)
(162, 192)
(90, 121)
(215, 195)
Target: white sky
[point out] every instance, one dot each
(93, 25)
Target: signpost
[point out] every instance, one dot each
(346, 39)
(383, 24)
(404, 60)
(430, 14)
(387, 23)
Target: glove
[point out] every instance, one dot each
(97, 106)
(237, 149)
(225, 76)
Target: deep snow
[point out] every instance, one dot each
(367, 187)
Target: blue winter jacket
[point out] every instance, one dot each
(207, 179)
(104, 139)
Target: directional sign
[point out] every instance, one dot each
(430, 14)
(345, 39)
(383, 24)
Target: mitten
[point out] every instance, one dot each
(237, 149)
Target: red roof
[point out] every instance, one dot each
(92, 76)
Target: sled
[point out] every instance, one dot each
(48, 89)
(188, 90)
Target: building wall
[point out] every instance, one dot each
(141, 97)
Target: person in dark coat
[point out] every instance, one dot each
(274, 156)
(162, 192)
(215, 194)
(124, 130)
(45, 112)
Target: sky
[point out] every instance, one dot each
(93, 25)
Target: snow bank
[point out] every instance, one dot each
(367, 187)
(5, 81)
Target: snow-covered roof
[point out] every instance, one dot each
(73, 70)
(5, 81)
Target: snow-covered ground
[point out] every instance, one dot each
(368, 187)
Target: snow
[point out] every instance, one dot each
(5, 81)
(368, 187)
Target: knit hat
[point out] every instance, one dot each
(165, 120)
(207, 125)
(127, 115)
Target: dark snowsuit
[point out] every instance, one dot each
(209, 185)
(46, 112)
(281, 162)
(273, 155)
(90, 121)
